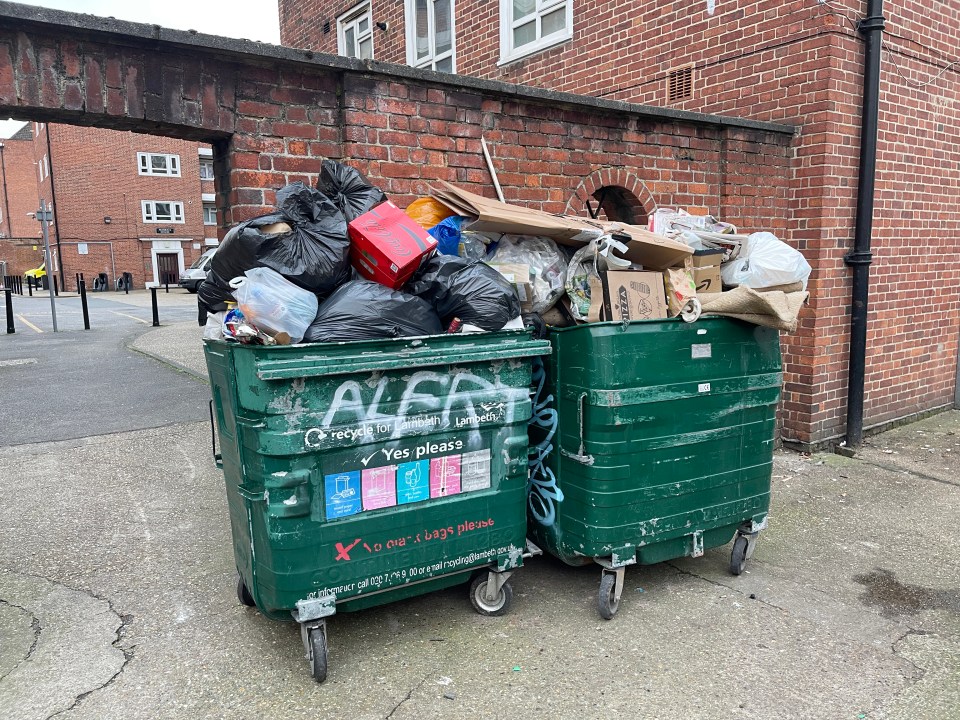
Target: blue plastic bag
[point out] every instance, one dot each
(447, 233)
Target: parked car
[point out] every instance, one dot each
(197, 273)
(36, 273)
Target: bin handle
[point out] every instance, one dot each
(217, 457)
(579, 456)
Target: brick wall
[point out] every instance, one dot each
(799, 63)
(273, 115)
(21, 180)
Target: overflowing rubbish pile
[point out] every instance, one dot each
(341, 262)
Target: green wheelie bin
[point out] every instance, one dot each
(366, 472)
(652, 440)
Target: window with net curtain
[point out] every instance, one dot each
(431, 42)
(531, 25)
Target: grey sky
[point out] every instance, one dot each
(251, 19)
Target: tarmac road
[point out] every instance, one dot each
(74, 383)
(117, 598)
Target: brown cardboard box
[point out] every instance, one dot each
(707, 258)
(706, 271)
(519, 275)
(707, 280)
(633, 295)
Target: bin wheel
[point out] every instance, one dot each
(243, 594)
(318, 654)
(478, 597)
(738, 556)
(607, 602)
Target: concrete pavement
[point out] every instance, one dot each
(850, 607)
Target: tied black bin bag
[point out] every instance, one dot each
(364, 310)
(313, 253)
(348, 189)
(465, 289)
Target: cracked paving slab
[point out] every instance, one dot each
(62, 643)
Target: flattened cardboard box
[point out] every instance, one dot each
(633, 295)
(644, 247)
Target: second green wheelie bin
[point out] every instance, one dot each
(365, 472)
(652, 440)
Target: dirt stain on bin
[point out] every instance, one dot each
(895, 598)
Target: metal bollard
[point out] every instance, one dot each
(156, 312)
(167, 285)
(30, 286)
(83, 303)
(9, 296)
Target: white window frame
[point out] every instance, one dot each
(206, 162)
(209, 206)
(145, 164)
(429, 62)
(508, 53)
(350, 19)
(149, 211)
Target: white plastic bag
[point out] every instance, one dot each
(766, 262)
(273, 303)
(548, 266)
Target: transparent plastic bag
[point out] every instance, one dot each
(766, 261)
(548, 266)
(273, 303)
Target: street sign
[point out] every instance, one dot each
(164, 231)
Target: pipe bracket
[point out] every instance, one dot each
(858, 257)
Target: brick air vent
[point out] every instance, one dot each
(680, 84)
(326, 27)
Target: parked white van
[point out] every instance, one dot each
(197, 273)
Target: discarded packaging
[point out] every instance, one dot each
(706, 271)
(546, 264)
(679, 286)
(633, 295)
(643, 247)
(387, 245)
(519, 275)
(273, 303)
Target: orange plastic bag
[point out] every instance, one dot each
(427, 212)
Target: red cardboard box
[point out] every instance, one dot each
(386, 245)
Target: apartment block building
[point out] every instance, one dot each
(123, 202)
(798, 62)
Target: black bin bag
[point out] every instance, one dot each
(364, 310)
(349, 190)
(465, 289)
(314, 253)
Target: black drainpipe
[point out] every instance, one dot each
(871, 27)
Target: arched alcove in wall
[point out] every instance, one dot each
(613, 194)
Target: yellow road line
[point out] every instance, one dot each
(29, 324)
(132, 317)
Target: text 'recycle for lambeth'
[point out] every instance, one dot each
(351, 492)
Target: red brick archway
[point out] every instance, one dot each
(620, 193)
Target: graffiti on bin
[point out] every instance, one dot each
(429, 402)
(543, 494)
